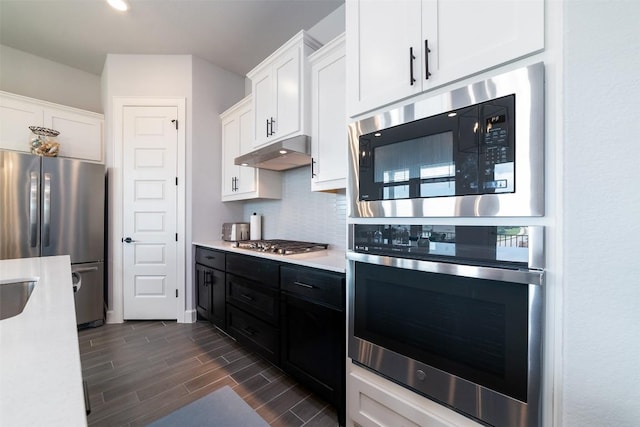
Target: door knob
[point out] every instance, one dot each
(128, 240)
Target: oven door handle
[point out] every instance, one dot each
(530, 277)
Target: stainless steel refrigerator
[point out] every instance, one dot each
(53, 206)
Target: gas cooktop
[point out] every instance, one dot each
(280, 247)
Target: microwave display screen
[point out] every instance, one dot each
(468, 151)
(428, 160)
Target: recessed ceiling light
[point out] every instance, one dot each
(283, 151)
(120, 5)
(377, 134)
(452, 114)
(244, 164)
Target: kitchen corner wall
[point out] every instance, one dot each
(302, 214)
(29, 75)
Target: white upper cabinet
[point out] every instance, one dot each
(16, 115)
(240, 182)
(329, 140)
(80, 131)
(280, 88)
(398, 49)
(380, 37)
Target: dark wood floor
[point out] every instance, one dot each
(140, 371)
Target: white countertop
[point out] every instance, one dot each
(40, 371)
(330, 259)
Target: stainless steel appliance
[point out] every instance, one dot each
(283, 155)
(234, 231)
(281, 247)
(475, 151)
(453, 313)
(53, 206)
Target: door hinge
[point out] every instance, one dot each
(176, 293)
(176, 123)
(176, 237)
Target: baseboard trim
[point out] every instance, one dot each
(190, 316)
(112, 317)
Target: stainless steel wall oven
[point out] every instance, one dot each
(475, 151)
(453, 313)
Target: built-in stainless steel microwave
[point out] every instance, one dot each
(477, 151)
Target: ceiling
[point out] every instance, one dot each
(233, 34)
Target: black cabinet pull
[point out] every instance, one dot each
(250, 331)
(427, 51)
(271, 131)
(247, 297)
(210, 257)
(268, 127)
(411, 58)
(304, 285)
(313, 173)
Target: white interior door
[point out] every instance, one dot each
(150, 144)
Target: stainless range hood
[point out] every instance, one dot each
(287, 154)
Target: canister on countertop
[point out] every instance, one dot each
(256, 226)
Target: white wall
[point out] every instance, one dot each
(302, 214)
(36, 77)
(601, 209)
(208, 90)
(213, 91)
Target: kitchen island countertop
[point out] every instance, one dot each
(330, 259)
(40, 371)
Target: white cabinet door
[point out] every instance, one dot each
(280, 88)
(287, 79)
(328, 117)
(80, 133)
(262, 88)
(240, 182)
(516, 30)
(398, 49)
(230, 150)
(246, 181)
(381, 35)
(16, 116)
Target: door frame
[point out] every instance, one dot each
(115, 313)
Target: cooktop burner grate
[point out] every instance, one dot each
(281, 247)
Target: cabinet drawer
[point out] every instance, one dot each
(254, 333)
(255, 268)
(210, 258)
(253, 297)
(314, 285)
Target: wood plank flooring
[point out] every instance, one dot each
(140, 371)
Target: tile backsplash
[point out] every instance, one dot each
(302, 214)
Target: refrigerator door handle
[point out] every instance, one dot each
(46, 210)
(76, 279)
(33, 210)
(76, 276)
(85, 270)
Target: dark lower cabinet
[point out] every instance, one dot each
(253, 304)
(254, 333)
(293, 316)
(313, 332)
(210, 286)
